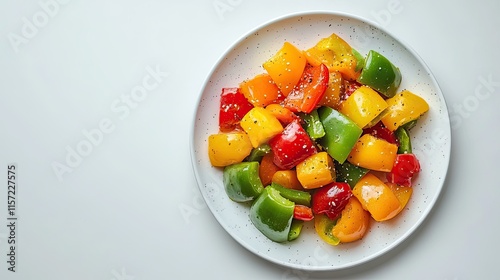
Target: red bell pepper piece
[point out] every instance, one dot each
(291, 146)
(303, 213)
(233, 106)
(405, 167)
(349, 88)
(382, 132)
(331, 199)
(308, 92)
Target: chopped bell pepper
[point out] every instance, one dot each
(312, 124)
(287, 179)
(323, 226)
(363, 106)
(260, 125)
(258, 153)
(373, 153)
(272, 214)
(291, 146)
(337, 55)
(380, 131)
(303, 213)
(403, 108)
(286, 67)
(267, 169)
(332, 95)
(295, 229)
(353, 223)
(403, 140)
(349, 173)
(242, 182)
(331, 199)
(341, 133)
(299, 197)
(403, 193)
(380, 74)
(228, 148)
(233, 106)
(405, 167)
(261, 90)
(284, 115)
(376, 197)
(309, 90)
(316, 171)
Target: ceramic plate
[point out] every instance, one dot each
(430, 138)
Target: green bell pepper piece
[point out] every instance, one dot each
(242, 182)
(299, 197)
(403, 137)
(259, 152)
(341, 133)
(409, 125)
(295, 229)
(360, 60)
(380, 74)
(313, 125)
(349, 173)
(272, 214)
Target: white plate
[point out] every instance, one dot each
(431, 139)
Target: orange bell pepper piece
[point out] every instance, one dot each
(286, 67)
(260, 90)
(376, 197)
(287, 179)
(353, 222)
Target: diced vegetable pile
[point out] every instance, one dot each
(322, 136)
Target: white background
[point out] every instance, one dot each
(130, 208)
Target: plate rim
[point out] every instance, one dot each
(447, 148)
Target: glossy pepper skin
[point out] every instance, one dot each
(373, 153)
(341, 133)
(349, 173)
(331, 199)
(260, 125)
(309, 91)
(228, 148)
(291, 146)
(337, 55)
(380, 74)
(242, 182)
(363, 106)
(316, 171)
(299, 197)
(376, 197)
(233, 107)
(286, 67)
(272, 214)
(403, 108)
(261, 90)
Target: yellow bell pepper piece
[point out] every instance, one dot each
(403, 193)
(316, 171)
(332, 93)
(377, 198)
(363, 106)
(228, 148)
(336, 54)
(286, 67)
(260, 125)
(403, 107)
(373, 153)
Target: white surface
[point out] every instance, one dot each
(244, 60)
(131, 209)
